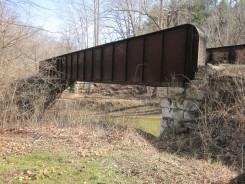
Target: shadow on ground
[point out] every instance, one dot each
(240, 179)
(186, 148)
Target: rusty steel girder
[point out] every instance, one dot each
(163, 58)
(234, 54)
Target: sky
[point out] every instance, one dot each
(46, 15)
(40, 13)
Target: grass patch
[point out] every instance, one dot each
(97, 155)
(51, 168)
(149, 125)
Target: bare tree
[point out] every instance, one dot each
(96, 21)
(161, 13)
(82, 24)
(225, 25)
(125, 17)
(21, 48)
(77, 25)
(108, 20)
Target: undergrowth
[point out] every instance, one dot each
(219, 134)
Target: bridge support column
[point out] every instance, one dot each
(81, 87)
(181, 108)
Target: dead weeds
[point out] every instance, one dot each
(116, 149)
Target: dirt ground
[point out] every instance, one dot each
(97, 154)
(76, 142)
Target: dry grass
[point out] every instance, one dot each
(116, 149)
(24, 100)
(129, 155)
(222, 124)
(220, 132)
(26, 129)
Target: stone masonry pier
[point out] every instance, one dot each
(181, 106)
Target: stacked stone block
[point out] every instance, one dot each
(181, 107)
(81, 87)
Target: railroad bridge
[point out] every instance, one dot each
(151, 60)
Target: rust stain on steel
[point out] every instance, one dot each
(135, 67)
(151, 59)
(97, 64)
(80, 66)
(107, 58)
(230, 54)
(119, 62)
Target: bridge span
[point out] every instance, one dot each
(152, 59)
